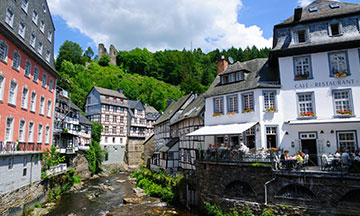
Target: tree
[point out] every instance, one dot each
(70, 51)
(89, 53)
(97, 128)
(104, 60)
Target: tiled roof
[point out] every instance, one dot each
(258, 75)
(323, 11)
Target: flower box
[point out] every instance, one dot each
(344, 112)
(270, 109)
(247, 110)
(230, 113)
(216, 114)
(302, 76)
(341, 74)
(307, 114)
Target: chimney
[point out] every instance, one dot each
(222, 65)
(297, 13)
(121, 91)
(169, 102)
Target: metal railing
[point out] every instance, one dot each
(8, 147)
(57, 169)
(227, 156)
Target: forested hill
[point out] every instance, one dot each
(153, 78)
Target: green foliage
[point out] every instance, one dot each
(95, 155)
(62, 183)
(97, 128)
(260, 165)
(215, 210)
(158, 184)
(37, 205)
(51, 158)
(70, 51)
(104, 60)
(267, 212)
(89, 53)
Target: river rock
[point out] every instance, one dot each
(76, 187)
(50, 205)
(132, 179)
(134, 200)
(139, 192)
(105, 187)
(40, 212)
(120, 181)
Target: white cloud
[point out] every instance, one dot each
(160, 24)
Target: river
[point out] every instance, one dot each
(104, 196)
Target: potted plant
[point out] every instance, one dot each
(307, 114)
(270, 109)
(344, 112)
(230, 113)
(216, 114)
(341, 74)
(302, 76)
(247, 110)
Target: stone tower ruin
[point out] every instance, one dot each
(112, 53)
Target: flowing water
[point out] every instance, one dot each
(104, 196)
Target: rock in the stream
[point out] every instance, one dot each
(105, 187)
(120, 181)
(50, 205)
(139, 192)
(40, 212)
(132, 179)
(134, 200)
(76, 187)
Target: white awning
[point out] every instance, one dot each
(323, 121)
(228, 129)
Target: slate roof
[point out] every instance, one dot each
(195, 109)
(258, 75)
(169, 145)
(109, 92)
(172, 109)
(84, 120)
(150, 139)
(324, 11)
(151, 113)
(67, 101)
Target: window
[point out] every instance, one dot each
(2, 87)
(22, 130)
(218, 105)
(33, 102)
(24, 98)
(107, 107)
(40, 48)
(121, 131)
(89, 100)
(43, 7)
(305, 105)
(114, 109)
(3, 51)
(12, 93)
(342, 102)
(346, 140)
(11, 163)
(232, 103)
(107, 98)
(44, 80)
(42, 105)
(48, 111)
(22, 28)
(31, 132)
(114, 130)
(114, 119)
(248, 102)
(51, 84)
(300, 36)
(313, 9)
(334, 5)
(40, 133)
(48, 55)
(9, 19)
(9, 129)
(27, 71)
(50, 34)
(122, 119)
(239, 76)
(16, 60)
(334, 29)
(47, 135)
(42, 26)
(269, 100)
(302, 67)
(106, 118)
(35, 16)
(106, 139)
(106, 129)
(32, 39)
(25, 5)
(224, 79)
(271, 133)
(338, 63)
(36, 74)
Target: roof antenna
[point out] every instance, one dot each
(231, 60)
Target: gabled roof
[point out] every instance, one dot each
(109, 92)
(169, 144)
(67, 101)
(151, 113)
(195, 109)
(135, 105)
(324, 11)
(172, 109)
(258, 75)
(150, 139)
(84, 120)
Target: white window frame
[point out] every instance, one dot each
(35, 16)
(342, 102)
(303, 63)
(42, 26)
(50, 34)
(305, 104)
(22, 29)
(42, 105)
(27, 70)
(248, 101)
(9, 17)
(33, 39)
(44, 80)
(16, 61)
(269, 99)
(295, 35)
(9, 136)
(25, 5)
(232, 103)
(48, 53)
(40, 47)
(36, 74)
(40, 133)
(5, 51)
(47, 134)
(2, 86)
(49, 106)
(339, 28)
(218, 105)
(43, 7)
(24, 98)
(33, 102)
(31, 127)
(51, 84)
(346, 141)
(22, 131)
(12, 100)
(336, 64)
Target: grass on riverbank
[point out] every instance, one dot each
(158, 184)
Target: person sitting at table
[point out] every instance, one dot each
(346, 156)
(299, 159)
(243, 148)
(337, 153)
(357, 152)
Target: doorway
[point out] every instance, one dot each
(308, 146)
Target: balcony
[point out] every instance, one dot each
(137, 134)
(8, 147)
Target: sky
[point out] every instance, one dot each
(167, 24)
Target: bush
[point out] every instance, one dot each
(104, 61)
(217, 211)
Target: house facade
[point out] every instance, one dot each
(110, 109)
(27, 89)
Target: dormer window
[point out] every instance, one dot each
(232, 77)
(44, 7)
(313, 9)
(35, 16)
(22, 28)
(42, 26)
(334, 29)
(9, 19)
(32, 39)
(50, 35)
(300, 36)
(225, 79)
(239, 76)
(40, 47)
(334, 5)
(24, 5)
